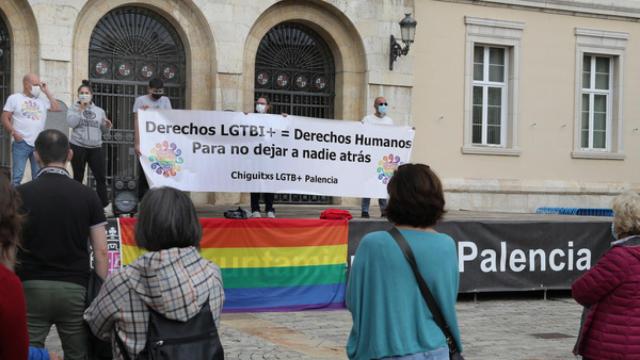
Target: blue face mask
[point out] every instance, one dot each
(382, 109)
(613, 231)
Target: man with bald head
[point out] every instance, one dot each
(23, 117)
(378, 118)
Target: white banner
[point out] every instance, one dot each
(217, 151)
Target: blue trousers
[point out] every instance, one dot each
(437, 354)
(366, 202)
(20, 152)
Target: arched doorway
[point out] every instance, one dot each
(295, 70)
(129, 46)
(5, 89)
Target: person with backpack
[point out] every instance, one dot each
(167, 303)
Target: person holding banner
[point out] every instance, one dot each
(378, 118)
(88, 123)
(262, 107)
(153, 100)
(390, 317)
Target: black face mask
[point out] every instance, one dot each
(156, 96)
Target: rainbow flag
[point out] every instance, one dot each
(270, 264)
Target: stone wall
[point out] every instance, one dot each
(221, 38)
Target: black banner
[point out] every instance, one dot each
(517, 255)
(113, 246)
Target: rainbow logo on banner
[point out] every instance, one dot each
(387, 166)
(165, 159)
(270, 265)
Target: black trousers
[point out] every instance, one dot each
(268, 201)
(143, 184)
(95, 158)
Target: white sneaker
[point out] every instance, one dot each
(271, 214)
(108, 210)
(256, 214)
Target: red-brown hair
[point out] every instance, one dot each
(10, 221)
(416, 197)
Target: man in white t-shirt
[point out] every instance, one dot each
(378, 118)
(23, 117)
(153, 100)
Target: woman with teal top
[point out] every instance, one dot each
(390, 317)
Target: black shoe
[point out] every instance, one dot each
(364, 215)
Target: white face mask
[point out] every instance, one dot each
(35, 90)
(84, 98)
(261, 108)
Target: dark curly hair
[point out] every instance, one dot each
(415, 196)
(10, 221)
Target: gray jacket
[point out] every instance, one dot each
(88, 125)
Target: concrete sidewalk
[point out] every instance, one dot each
(498, 329)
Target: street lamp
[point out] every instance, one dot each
(408, 34)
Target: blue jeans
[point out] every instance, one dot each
(20, 152)
(366, 202)
(437, 354)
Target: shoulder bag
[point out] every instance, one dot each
(454, 353)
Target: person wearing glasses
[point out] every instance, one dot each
(378, 118)
(154, 99)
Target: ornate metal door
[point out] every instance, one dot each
(5, 90)
(130, 46)
(296, 72)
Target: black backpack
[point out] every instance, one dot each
(174, 340)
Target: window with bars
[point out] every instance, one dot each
(596, 97)
(295, 70)
(490, 90)
(121, 63)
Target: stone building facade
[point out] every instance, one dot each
(517, 155)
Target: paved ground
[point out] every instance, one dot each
(496, 329)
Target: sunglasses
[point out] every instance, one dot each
(385, 104)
